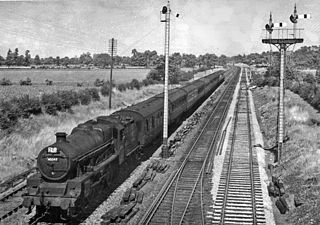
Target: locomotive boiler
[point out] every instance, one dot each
(74, 168)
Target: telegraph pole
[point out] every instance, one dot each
(282, 39)
(166, 11)
(112, 51)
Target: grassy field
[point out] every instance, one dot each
(19, 149)
(300, 163)
(71, 77)
(62, 80)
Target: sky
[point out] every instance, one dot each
(72, 27)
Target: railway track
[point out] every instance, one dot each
(239, 197)
(181, 200)
(11, 194)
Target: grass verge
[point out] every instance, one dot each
(300, 165)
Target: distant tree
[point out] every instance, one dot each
(20, 61)
(176, 59)
(189, 60)
(2, 60)
(48, 61)
(15, 56)
(9, 58)
(37, 60)
(158, 73)
(86, 58)
(65, 61)
(57, 61)
(101, 60)
(222, 60)
(27, 58)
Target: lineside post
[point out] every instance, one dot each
(112, 51)
(165, 148)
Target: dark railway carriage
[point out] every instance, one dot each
(146, 116)
(74, 168)
(178, 104)
(195, 90)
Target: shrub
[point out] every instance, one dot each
(135, 84)
(80, 84)
(146, 82)
(154, 75)
(105, 89)
(49, 82)
(98, 82)
(129, 86)
(27, 106)
(52, 103)
(271, 81)
(5, 82)
(9, 115)
(85, 97)
(305, 91)
(309, 78)
(295, 87)
(122, 87)
(94, 93)
(67, 99)
(26, 82)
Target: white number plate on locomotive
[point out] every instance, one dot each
(52, 150)
(52, 159)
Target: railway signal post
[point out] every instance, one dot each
(166, 12)
(282, 39)
(113, 52)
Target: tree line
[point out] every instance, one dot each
(145, 59)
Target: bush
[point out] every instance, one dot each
(68, 99)
(295, 87)
(49, 82)
(9, 115)
(271, 81)
(98, 82)
(5, 82)
(146, 82)
(27, 106)
(85, 97)
(105, 89)
(154, 75)
(305, 91)
(52, 103)
(94, 93)
(26, 82)
(135, 84)
(122, 87)
(129, 86)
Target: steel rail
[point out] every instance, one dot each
(162, 194)
(230, 162)
(251, 162)
(191, 150)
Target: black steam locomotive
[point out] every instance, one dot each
(75, 166)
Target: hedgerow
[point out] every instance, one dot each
(304, 85)
(60, 101)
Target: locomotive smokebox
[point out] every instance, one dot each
(61, 137)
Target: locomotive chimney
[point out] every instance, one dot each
(61, 136)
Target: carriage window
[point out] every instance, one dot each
(121, 134)
(147, 125)
(115, 133)
(152, 121)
